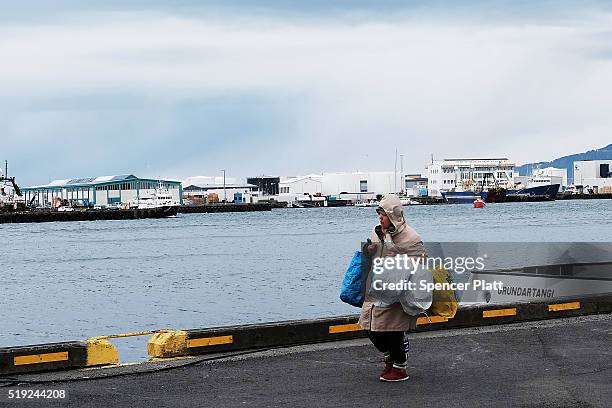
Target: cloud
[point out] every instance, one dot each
(160, 92)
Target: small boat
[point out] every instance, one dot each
(367, 203)
(479, 203)
(408, 201)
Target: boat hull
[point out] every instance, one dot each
(549, 191)
(518, 287)
(463, 197)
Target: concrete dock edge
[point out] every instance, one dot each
(57, 356)
(177, 343)
(287, 333)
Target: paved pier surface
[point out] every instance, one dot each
(554, 363)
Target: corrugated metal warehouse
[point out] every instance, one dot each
(100, 191)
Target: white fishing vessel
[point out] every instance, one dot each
(367, 203)
(11, 198)
(408, 201)
(160, 198)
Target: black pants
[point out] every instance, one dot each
(390, 342)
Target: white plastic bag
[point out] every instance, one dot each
(416, 301)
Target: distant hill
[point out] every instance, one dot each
(567, 162)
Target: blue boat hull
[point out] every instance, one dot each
(463, 197)
(550, 191)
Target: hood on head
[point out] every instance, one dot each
(392, 206)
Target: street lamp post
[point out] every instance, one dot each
(224, 192)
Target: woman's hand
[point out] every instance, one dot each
(372, 249)
(369, 248)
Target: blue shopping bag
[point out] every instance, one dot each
(353, 284)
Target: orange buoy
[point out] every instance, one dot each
(478, 203)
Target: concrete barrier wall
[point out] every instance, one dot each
(174, 343)
(57, 356)
(200, 341)
(84, 215)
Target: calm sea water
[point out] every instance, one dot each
(70, 281)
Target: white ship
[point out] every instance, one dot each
(408, 201)
(161, 198)
(11, 198)
(367, 203)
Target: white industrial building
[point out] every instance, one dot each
(333, 184)
(594, 174)
(303, 188)
(466, 174)
(348, 185)
(311, 184)
(374, 182)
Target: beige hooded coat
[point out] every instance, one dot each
(391, 318)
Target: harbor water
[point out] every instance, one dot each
(75, 280)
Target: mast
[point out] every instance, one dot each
(395, 173)
(402, 179)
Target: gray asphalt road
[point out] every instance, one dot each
(560, 363)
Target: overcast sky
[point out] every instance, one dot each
(154, 90)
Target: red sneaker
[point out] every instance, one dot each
(394, 374)
(388, 367)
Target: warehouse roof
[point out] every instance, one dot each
(314, 177)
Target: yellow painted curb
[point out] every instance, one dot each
(563, 306)
(499, 312)
(431, 319)
(40, 358)
(343, 328)
(170, 343)
(100, 352)
(210, 341)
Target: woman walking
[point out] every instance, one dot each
(386, 324)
